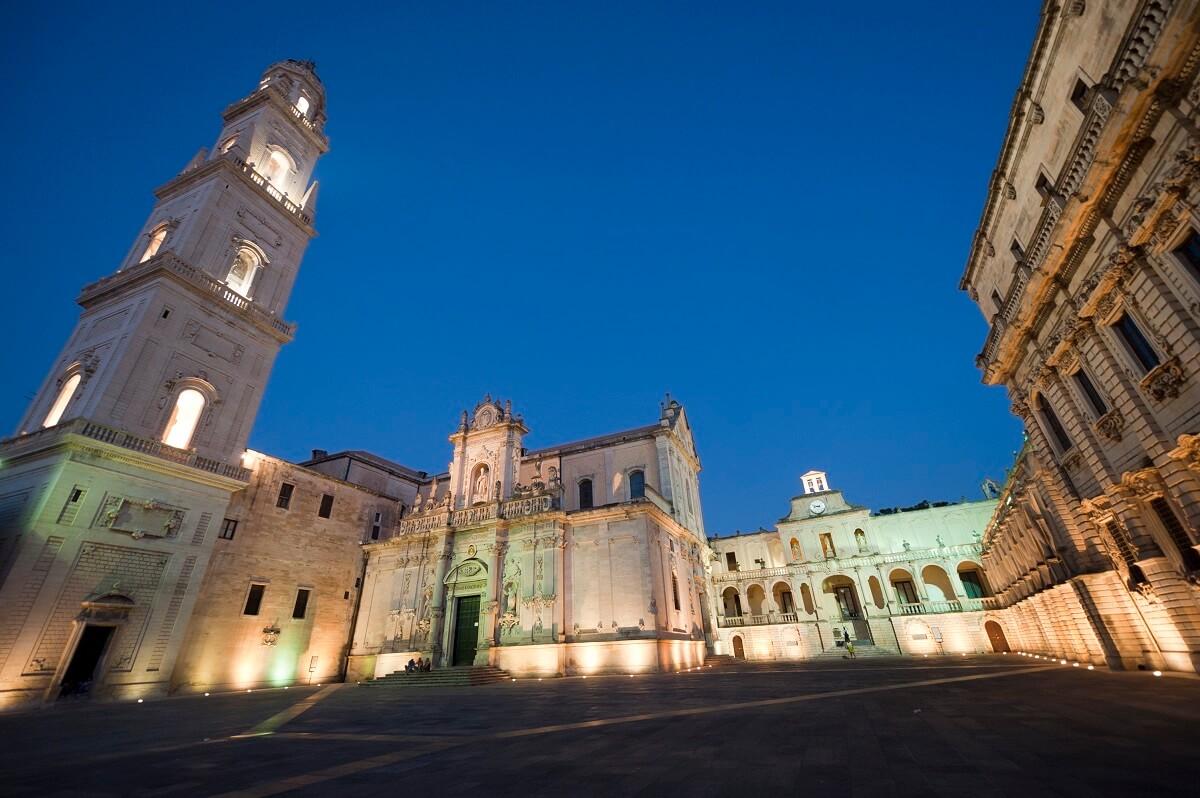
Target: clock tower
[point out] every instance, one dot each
(126, 458)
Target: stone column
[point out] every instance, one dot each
(438, 626)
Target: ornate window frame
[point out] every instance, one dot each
(174, 387)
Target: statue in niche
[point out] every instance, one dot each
(481, 485)
(796, 554)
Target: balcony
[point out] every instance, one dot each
(938, 607)
(760, 573)
(201, 280)
(726, 622)
(125, 440)
(289, 205)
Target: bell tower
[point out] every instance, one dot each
(127, 456)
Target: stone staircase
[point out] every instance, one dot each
(722, 660)
(861, 651)
(441, 677)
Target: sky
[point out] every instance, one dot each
(763, 208)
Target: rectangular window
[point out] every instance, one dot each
(285, 496)
(1189, 253)
(1137, 343)
(905, 592)
(376, 526)
(731, 561)
(1056, 428)
(301, 607)
(675, 590)
(1089, 390)
(1043, 186)
(1178, 535)
(228, 528)
(326, 506)
(585, 494)
(971, 584)
(1018, 251)
(1079, 95)
(254, 599)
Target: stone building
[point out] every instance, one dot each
(283, 582)
(1086, 265)
(113, 489)
(908, 581)
(573, 559)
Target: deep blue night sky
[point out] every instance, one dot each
(762, 208)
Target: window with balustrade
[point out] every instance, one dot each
(246, 264)
(278, 169)
(157, 237)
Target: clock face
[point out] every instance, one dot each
(817, 507)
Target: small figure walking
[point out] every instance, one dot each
(846, 636)
(850, 649)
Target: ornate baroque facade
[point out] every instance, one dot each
(1087, 266)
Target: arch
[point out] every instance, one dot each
(876, 591)
(996, 637)
(481, 488)
(845, 592)
(278, 168)
(757, 597)
(781, 594)
(739, 648)
(586, 500)
(731, 602)
(971, 575)
(157, 236)
(185, 417)
(937, 583)
(302, 105)
(904, 586)
(806, 600)
(246, 263)
(860, 540)
(229, 143)
(637, 484)
(65, 394)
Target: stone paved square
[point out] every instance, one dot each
(984, 726)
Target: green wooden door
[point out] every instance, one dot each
(466, 630)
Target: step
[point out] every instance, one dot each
(441, 677)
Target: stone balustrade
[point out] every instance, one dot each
(126, 440)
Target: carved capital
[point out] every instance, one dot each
(1188, 451)
(1110, 425)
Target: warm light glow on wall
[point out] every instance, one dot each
(184, 418)
(302, 106)
(60, 403)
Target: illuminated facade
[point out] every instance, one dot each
(1086, 265)
(113, 488)
(574, 559)
(908, 581)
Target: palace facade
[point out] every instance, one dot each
(903, 581)
(1086, 265)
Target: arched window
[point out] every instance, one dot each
(65, 394)
(229, 142)
(585, 494)
(637, 485)
(302, 105)
(241, 273)
(276, 169)
(184, 418)
(156, 240)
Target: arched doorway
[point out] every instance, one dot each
(757, 598)
(731, 602)
(937, 583)
(996, 637)
(849, 607)
(96, 627)
(739, 649)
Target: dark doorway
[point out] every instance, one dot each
(996, 637)
(81, 673)
(739, 650)
(466, 630)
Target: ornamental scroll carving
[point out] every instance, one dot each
(1188, 451)
(1164, 380)
(1111, 425)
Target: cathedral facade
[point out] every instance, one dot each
(580, 558)
(1086, 265)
